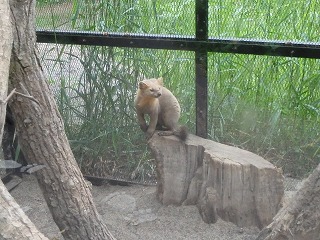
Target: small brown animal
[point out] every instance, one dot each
(161, 105)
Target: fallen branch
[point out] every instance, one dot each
(8, 97)
(20, 94)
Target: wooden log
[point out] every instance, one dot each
(223, 181)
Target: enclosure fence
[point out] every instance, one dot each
(198, 39)
(200, 43)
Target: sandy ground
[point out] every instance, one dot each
(132, 212)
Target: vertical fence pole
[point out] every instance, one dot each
(201, 63)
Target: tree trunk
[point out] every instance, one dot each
(223, 181)
(300, 218)
(5, 53)
(14, 224)
(42, 137)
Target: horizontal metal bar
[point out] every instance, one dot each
(187, 43)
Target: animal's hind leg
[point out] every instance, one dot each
(170, 121)
(161, 128)
(166, 133)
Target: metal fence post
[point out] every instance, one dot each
(201, 63)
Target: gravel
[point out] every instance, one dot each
(132, 212)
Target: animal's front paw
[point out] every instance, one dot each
(144, 128)
(149, 135)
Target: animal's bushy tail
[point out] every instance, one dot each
(181, 133)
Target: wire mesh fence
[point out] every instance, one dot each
(274, 20)
(95, 88)
(268, 105)
(128, 16)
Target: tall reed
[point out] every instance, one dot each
(269, 105)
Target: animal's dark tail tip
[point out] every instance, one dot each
(183, 133)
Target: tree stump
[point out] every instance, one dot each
(223, 181)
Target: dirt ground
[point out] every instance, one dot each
(132, 212)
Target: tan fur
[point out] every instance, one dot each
(162, 107)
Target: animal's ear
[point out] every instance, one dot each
(143, 85)
(160, 81)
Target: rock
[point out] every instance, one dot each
(223, 181)
(141, 216)
(121, 201)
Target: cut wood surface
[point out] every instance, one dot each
(223, 181)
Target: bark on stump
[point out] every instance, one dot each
(223, 181)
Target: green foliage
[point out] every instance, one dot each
(270, 19)
(268, 105)
(44, 2)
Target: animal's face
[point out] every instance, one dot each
(151, 87)
(155, 91)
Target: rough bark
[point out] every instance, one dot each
(42, 138)
(5, 53)
(300, 218)
(14, 224)
(223, 181)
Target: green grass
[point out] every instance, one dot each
(272, 19)
(268, 105)
(271, 109)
